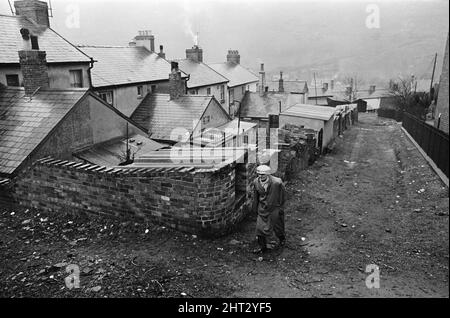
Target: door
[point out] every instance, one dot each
(320, 140)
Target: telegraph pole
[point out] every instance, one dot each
(315, 86)
(432, 74)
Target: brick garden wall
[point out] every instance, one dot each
(197, 201)
(207, 202)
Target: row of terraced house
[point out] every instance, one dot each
(124, 131)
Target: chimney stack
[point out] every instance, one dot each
(145, 39)
(324, 86)
(332, 84)
(280, 83)
(262, 80)
(233, 57)
(33, 64)
(161, 52)
(176, 83)
(34, 10)
(372, 89)
(195, 54)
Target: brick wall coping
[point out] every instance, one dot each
(120, 170)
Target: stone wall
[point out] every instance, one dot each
(297, 150)
(192, 200)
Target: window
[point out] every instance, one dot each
(34, 42)
(206, 119)
(192, 92)
(243, 90)
(153, 88)
(107, 96)
(231, 95)
(12, 80)
(222, 94)
(140, 91)
(76, 78)
(208, 91)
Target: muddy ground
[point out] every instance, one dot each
(373, 200)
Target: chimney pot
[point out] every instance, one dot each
(195, 54)
(161, 52)
(34, 10)
(233, 57)
(262, 81)
(280, 83)
(145, 39)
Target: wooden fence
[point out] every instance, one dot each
(432, 140)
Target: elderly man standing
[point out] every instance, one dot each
(269, 196)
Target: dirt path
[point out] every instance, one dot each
(374, 200)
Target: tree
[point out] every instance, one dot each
(355, 83)
(408, 100)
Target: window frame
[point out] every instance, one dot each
(106, 93)
(141, 88)
(8, 81)
(222, 94)
(73, 82)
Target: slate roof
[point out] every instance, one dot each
(378, 93)
(200, 74)
(235, 73)
(160, 115)
(24, 123)
(254, 105)
(310, 111)
(112, 152)
(119, 65)
(57, 48)
(299, 87)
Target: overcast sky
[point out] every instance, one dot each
(280, 33)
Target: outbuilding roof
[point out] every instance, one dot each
(254, 105)
(310, 111)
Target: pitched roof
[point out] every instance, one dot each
(378, 93)
(56, 47)
(112, 153)
(24, 123)
(310, 111)
(200, 73)
(254, 105)
(299, 87)
(235, 73)
(160, 114)
(119, 65)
